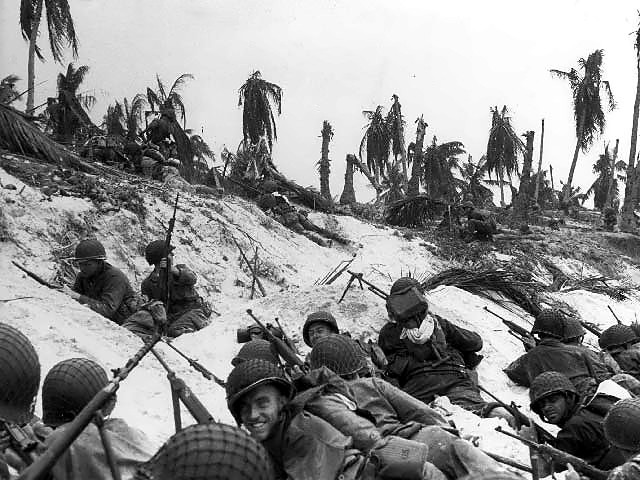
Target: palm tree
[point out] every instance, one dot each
(113, 120)
(61, 33)
(257, 96)
(348, 193)
(396, 124)
(628, 221)
(439, 161)
(503, 148)
(323, 164)
(68, 113)
(376, 143)
(169, 99)
(415, 157)
(471, 187)
(587, 105)
(133, 115)
(605, 187)
(8, 92)
(523, 199)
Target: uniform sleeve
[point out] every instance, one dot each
(581, 439)
(77, 286)
(459, 338)
(185, 276)
(408, 407)
(111, 298)
(517, 371)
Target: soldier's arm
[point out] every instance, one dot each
(76, 285)
(112, 295)
(408, 407)
(460, 338)
(581, 440)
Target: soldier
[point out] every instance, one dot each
(550, 354)
(209, 451)
(480, 225)
(619, 340)
(426, 354)
(256, 349)
(67, 389)
(381, 411)
(622, 430)
(101, 286)
(302, 446)
(188, 312)
(278, 205)
(574, 334)
(20, 380)
(555, 399)
(322, 323)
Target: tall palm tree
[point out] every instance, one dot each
(68, 115)
(628, 221)
(522, 201)
(8, 92)
(257, 97)
(415, 152)
(171, 98)
(324, 163)
(472, 176)
(439, 162)
(61, 33)
(396, 124)
(586, 88)
(376, 143)
(348, 193)
(503, 147)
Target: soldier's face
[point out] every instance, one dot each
(554, 408)
(317, 331)
(88, 267)
(260, 411)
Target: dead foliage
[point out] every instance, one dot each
(413, 211)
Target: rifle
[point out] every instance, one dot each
(614, 314)
(559, 456)
(197, 366)
(167, 248)
(37, 277)
(288, 355)
(22, 443)
(521, 418)
(285, 337)
(590, 327)
(43, 464)
(370, 286)
(180, 392)
(516, 330)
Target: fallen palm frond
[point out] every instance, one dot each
(413, 211)
(598, 284)
(511, 286)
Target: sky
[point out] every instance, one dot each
(448, 61)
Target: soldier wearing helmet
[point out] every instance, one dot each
(620, 342)
(213, 451)
(68, 387)
(389, 412)
(555, 399)
(301, 445)
(427, 353)
(101, 286)
(574, 334)
(480, 224)
(550, 354)
(188, 312)
(622, 430)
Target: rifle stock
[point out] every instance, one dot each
(43, 464)
(559, 456)
(288, 355)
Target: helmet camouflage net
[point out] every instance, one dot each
(250, 374)
(622, 425)
(338, 353)
(315, 317)
(69, 387)
(617, 336)
(155, 251)
(210, 452)
(90, 249)
(19, 375)
(573, 329)
(546, 384)
(403, 283)
(549, 322)
(256, 349)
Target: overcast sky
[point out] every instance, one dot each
(450, 61)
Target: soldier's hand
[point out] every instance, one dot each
(70, 292)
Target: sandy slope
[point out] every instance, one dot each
(40, 230)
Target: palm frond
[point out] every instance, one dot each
(61, 29)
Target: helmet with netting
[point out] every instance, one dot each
(622, 425)
(549, 383)
(19, 375)
(250, 374)
(339, 354)
(573, 329)
(549, 322)
(617, 336)
(256, 349)
(212, 451)
(90, 249)
(155, 251)
(69, 387)
(316, 317)
(403, 283)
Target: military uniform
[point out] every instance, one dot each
(108, 293)
(621, 342)
(622, 430)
